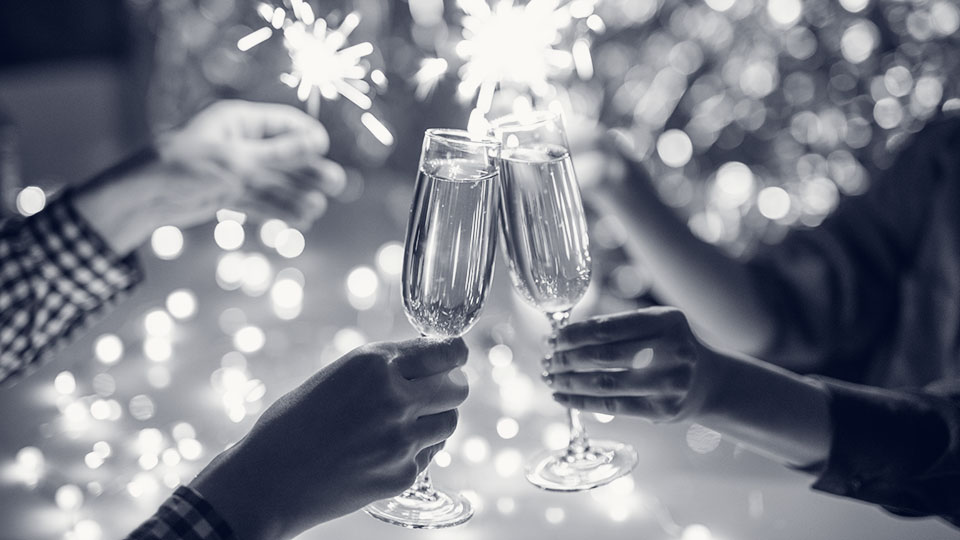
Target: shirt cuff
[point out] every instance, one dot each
(185, 515)
(77, 260)
(883, 445)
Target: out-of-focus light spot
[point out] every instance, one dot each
(702, 440)
(858, 41)
(29, 465)
(231, 320)
(31, 200)
(508, 462)
(290, 243)
(773, 202)
(696, 532)
(758, 79)
(618, 513)
(554, 515)
(888, 113)
(500, 355)
(785, 12)
(362, 286)
(69, 497)
(476, 449)
(820, 195)
(182, 304)
(249, 339)
(230, 270)
(720, 5)
(228, 235)
(142, 485)
(945, 17)
(347, 339)
(141, 407)
(92, 460)
(854, 6)
(170, 457)
(183, 430)
(108, 349)
(257, 274)
(148, 461)
(603, 418)
(898, 81)
(225, 214)
(507, 428)
(734, 184)
(100, 409)
(157, 349)
(674, 148)
(190, 449)
(556, 436)
(506, 505)
(286, 293)
(102, 449)
(442, 459)
(928, 92)
(270, 231)
(475, 499)
(254, 38)
(390, 258)
(171, 479)
(158, 323)
(87, 529)
(158, 376)
(167, 242)
(65, 383)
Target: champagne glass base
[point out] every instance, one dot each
(422, 509)
(563, 470)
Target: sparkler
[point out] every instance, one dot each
(526, 47)
(321, 65)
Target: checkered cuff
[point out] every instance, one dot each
(185, 515)
(56, 274)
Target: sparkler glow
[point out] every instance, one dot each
(522, 46)
(321, 65)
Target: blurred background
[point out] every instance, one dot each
(753, 116)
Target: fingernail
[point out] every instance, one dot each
(547, 378)
(545, 363)
(558, 397)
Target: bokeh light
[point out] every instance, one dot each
(167, 242)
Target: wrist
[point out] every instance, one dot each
(233, 492)
(119, 203)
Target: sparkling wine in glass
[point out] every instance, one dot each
(547, 250)
(447, 270)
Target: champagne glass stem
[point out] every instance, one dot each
(423, 484)
(579, 443)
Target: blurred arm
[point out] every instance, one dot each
(56, 275)
(715, 291)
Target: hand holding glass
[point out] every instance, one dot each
(447, 270)
(547, 251)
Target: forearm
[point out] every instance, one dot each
(121, 203)
(774, 411)
(713, 289)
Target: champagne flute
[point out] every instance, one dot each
(447, 270)
(547, 250)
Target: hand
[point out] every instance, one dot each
(359, 430)
(640, 363)
(260, 158)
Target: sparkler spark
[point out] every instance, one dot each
(518, 45)
(321, 65)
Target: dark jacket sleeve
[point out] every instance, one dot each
(896, 449)
(834, 288)
(56, 274)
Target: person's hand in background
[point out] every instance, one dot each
(260, 158)
(359, 430)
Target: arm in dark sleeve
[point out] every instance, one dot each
(56, 274)
(834, 289)
(897, 449)
(186, 515)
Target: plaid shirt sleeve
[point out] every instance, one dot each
(185, 515)
(56, 274)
